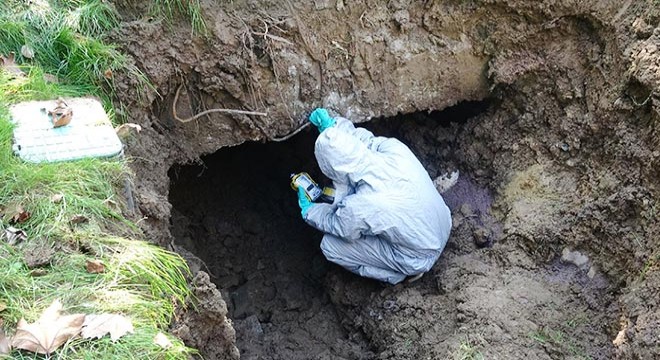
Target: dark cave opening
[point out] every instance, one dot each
(236, 211)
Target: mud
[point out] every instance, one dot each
(561, 159)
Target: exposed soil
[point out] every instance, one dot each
(237, 212)
(554, 252)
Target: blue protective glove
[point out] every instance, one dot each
(322, 119)
(304, 202)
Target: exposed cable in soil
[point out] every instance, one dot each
(219, 110)
(231, 111)
(289, 136)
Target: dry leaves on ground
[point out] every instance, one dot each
(53, 329)
(9, 65)
(79, 219)
(94, 266)
(97, 326)
(49, 332)
(4, 344)
(124, 130)
(20, 215)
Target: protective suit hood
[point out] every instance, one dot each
(343, 157)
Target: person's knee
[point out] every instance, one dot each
(327, 248)
(420, 265)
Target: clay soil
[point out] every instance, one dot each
(548, 110)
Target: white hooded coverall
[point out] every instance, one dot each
(387, 221)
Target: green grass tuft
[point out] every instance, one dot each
(141, 281)
(67, 43)
(169, 9)
(467, 351)
(95, 18)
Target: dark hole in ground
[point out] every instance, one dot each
(239, 215)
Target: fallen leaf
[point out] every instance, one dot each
(3, 306)
(94, 266)
(61, 114)
(124, 130)
(38, 272)
(97, 326)
(107, 74)
(4, 344)
(112, 205)
(78, 219)
(161, 340)
(14, 235)
(27, 51)
(57, 198)
(49, 332)
(10, 66)
(19, 216)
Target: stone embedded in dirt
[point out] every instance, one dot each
(620, 338)
(641, 28)
(574, 257)
(481, 236)
(466, 210)
(445, 181)
(390, 305)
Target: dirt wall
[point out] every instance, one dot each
(569, 145)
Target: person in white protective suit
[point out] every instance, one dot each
(387, 221)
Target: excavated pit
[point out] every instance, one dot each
(236, 211)
(554, 250)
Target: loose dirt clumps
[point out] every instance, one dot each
(238, 213)
(561, 159)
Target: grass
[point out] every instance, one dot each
(558, 339)
(67, 40)
(467, 351)
(143, 282)
(191, 9)
(95, 18)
